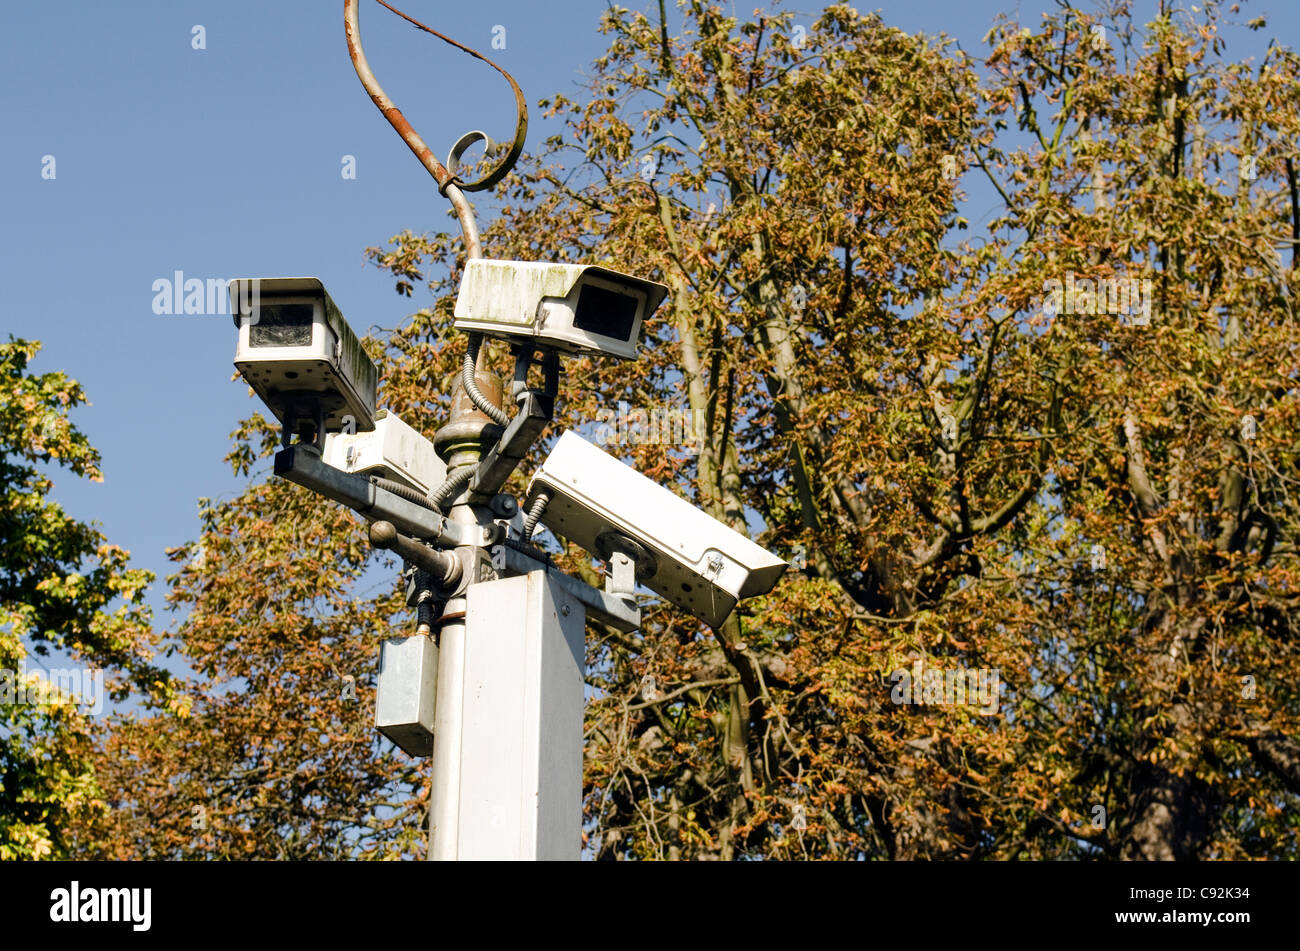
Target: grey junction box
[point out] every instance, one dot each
(408, 684)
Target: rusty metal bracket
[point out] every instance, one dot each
(446, 178)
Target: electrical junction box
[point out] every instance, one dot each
(408, 688)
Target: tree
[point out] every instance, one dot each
(897, 404)
(1022, 456)
(271, 751)
(62, 587)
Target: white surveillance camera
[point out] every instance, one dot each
(572, 307)
(295, 350)
(679, 552)
(392, 450)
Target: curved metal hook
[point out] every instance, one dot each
(462, 145)
(447, 183)
(441, 174)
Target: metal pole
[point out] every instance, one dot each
(521, 721)
(462, 442)
(444, 805)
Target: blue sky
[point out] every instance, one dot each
(226, 161)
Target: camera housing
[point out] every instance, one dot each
(680, 553)
(392, 450)
(577, 308)
(297, 352)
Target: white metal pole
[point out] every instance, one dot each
(444, 806)
(520, 770)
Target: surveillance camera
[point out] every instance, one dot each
(299, 355)
(392, 450)
(573, 307)
(679, 552)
